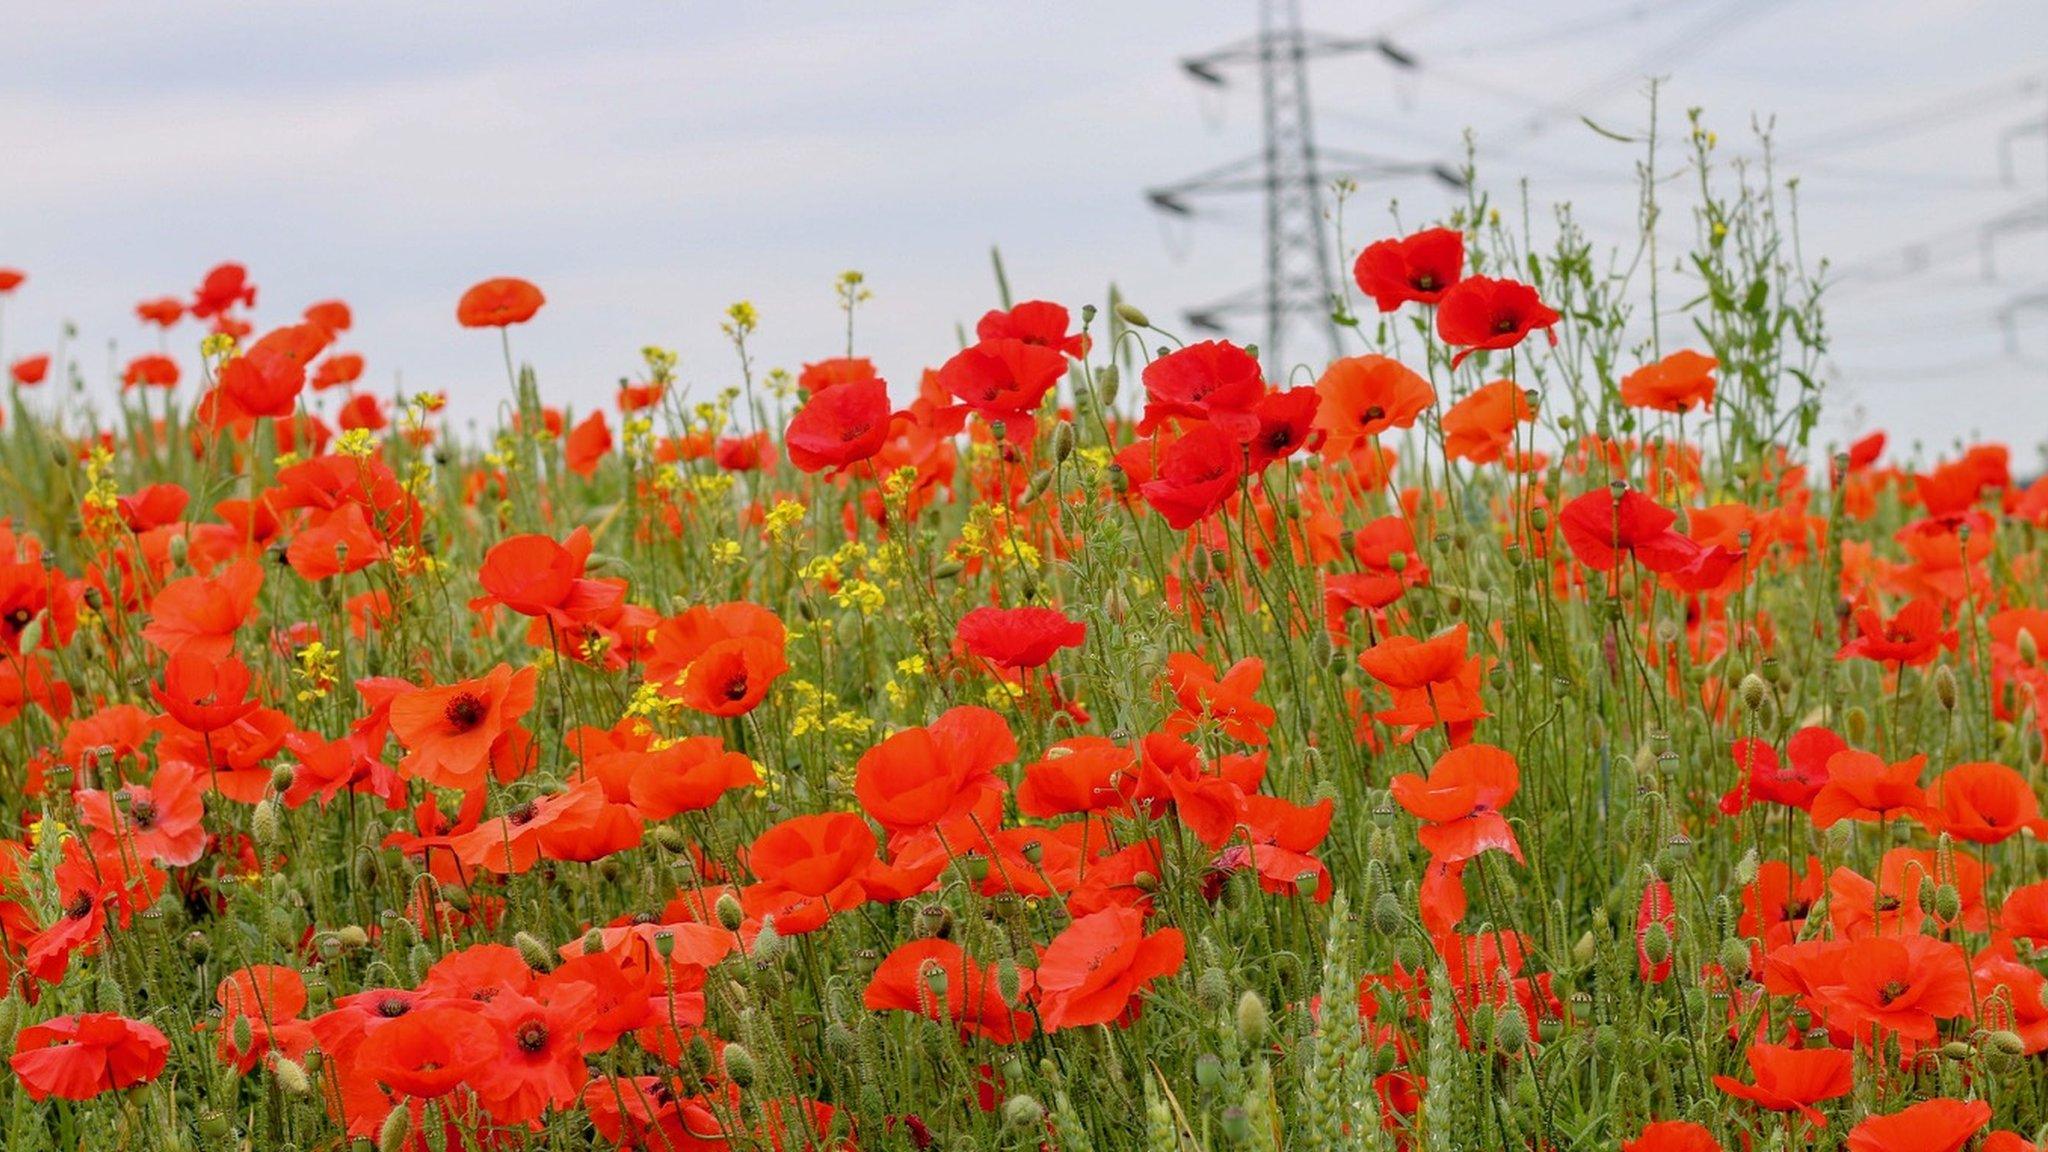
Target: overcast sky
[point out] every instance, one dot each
(648, 163)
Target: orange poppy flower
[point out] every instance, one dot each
(1363, 396)
(449, 731)
(1679, 382)
(200, 614)
(719, 659)
(1481, 427)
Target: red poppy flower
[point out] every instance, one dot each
(1004, 380)
(1938, 1125)
(1230, 700)
(163, 311)
(79, 1057)
(1083, 774)
(30, 370)
(152, 370)
(1214, 380)
(935, 978)
(1793, 782)
(1460, 802)
(1199, 473)
(1039, 322)
(1600, 526)
(163, 821)
(1903, 984)
(839, 426)
(1483, 313)
(498, 303)
(1095, 968)
(1672, 1136)
(201, 614)
(686, 776)
(1287, 424)
(922, 777)
(810, 867)
(1863, 787)
(1679, 382)
(1986, 803)
(539, 1054)
(1913, 636)
(1793, 1079)
(10, 279)
(270, 998)
(333, 315)
(428, 1051)
(225, 287)
(337, 370)
(535, 576)
(1654, 909)
(1015, 638)
(1419, 268)
(203, 694)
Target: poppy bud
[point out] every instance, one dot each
(397, 1127)
(1131, 314)
(739, 1065)
(1511, 1031)
(353, 936)
(214, 1124)
(10, 1019)
(1009, 982)
(538, 956)
(1754, 692)
(729, 912)
(2029, 648)
(593, 942)
(2007, 1042)
(1237, 1124)
(1252, 1018)
(1023, 1111)
(1062, 441)
(1213, 986)
(266, 824)
(670, 840)
(998, 431)
(1945, 688)
(244, 1033)
(1855, 724)
(179, 548)
(1119, 480)
(767, 942)
(1735, 959)
(1386, 914)
(1107, 383)
(1208, 1070)
(1948, 903)
(291, 1075)
(281, 778)
(1656, 943)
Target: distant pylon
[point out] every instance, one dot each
(1291, 173)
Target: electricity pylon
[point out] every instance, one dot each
(1291, 172)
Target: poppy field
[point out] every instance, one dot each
(1525, 730)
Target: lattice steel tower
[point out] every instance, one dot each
(1292, 173)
